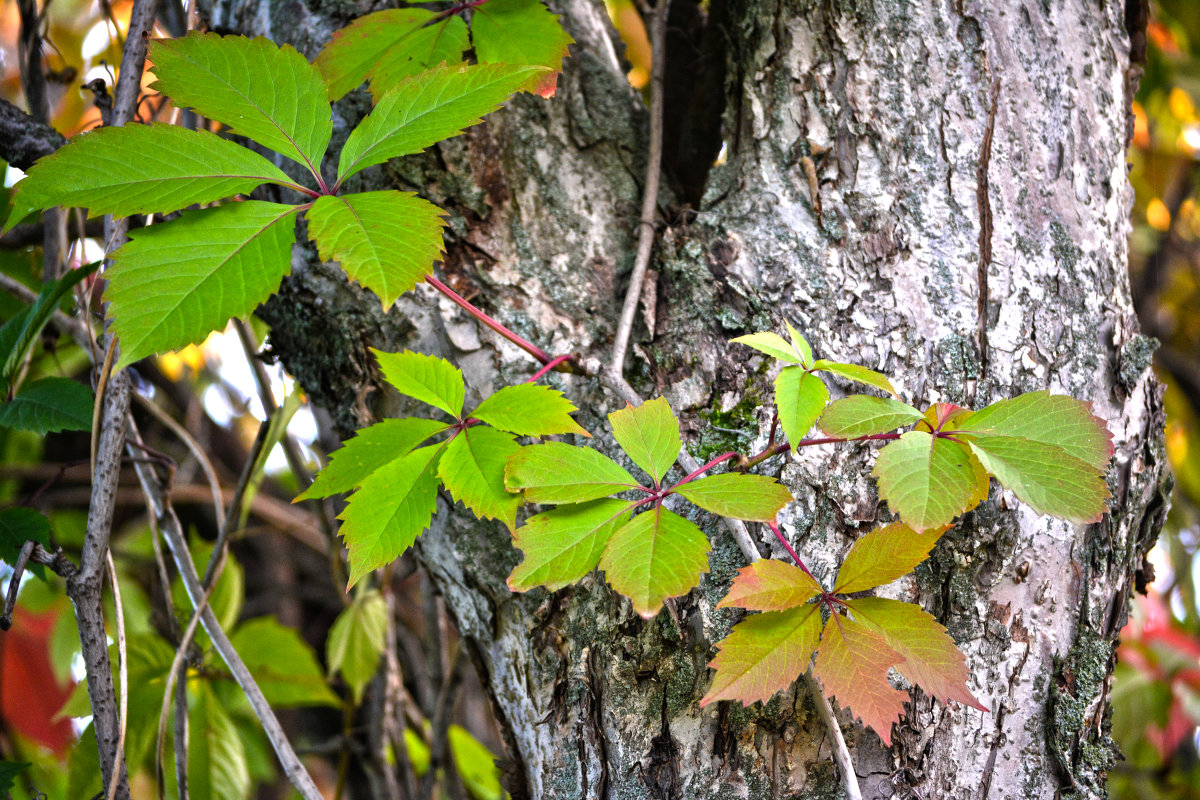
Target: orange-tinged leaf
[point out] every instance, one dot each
(882, 556)
(852, 663)
(764, 654)
(770, 585)
(931, 659)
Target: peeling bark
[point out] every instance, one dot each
(881, 193)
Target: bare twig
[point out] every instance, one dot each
(76, 329)
(160, 506)
(210, 473)
(658, 46)
(14, 584)
(122, 673)
(841, 753)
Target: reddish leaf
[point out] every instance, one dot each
(770, 585)
(852, 663)
(764, 654)
(29, 694)
(931, 659)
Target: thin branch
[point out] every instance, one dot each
(841, 753)
(160, 506)
(206, 465)
(75, 328)
(658, 47)
(14, 584)
(122, 673)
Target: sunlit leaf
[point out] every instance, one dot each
(564, 544)
(356, 641)
(649, 435)
(429, 379)
(774, 345)
(521, 32)
(658, 554)
(770, 585)
(373, 447)
(1045, 476)
(560, 473)
(764, 654)
(855, 373)
(799, 399)
(473, 471)
(882, 556)
(863, 415)
(528, 409)
(750, 497)
(1056, 420)
(928, 481)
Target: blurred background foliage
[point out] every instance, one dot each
(219, 391)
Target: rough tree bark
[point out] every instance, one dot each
(934, 189)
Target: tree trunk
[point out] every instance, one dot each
(935, 190)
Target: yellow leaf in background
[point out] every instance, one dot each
(1157, 215)
(1180, 103)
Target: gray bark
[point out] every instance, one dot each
(967, 236)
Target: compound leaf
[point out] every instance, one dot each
(564, 544)
(561, 473)
(751, 497)
(528, 409)
(800, 343)
(882, 556)
(776, 346)
(863, 415)
(1056, 420)
(429, 379)
(770, 585)
(390, 510)
(356, 641)
(174, 283)
(372, 448)
(852, 663)
(930, 658)
(473, 471)
(267, 93)
(649, 435)
(139, 169)
(656, 555)
(387, 46)
(764, 654)
(387, 241)
(1046, 476)
(19, 525)
(48, 405)
(283, 664)
(855, 373)
(928, 481)
(427, 108)
(800, 397)
(521, 32)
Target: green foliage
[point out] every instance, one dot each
(653, 556)
(49, 405)
(387, 46)
(21, 331)
(9, 770)
(396, 486)
(20, 525)
(864, 415)
(282, 663)
(356, 641)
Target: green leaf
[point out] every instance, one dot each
(390, 510)
(930, 658)
(852, 663)
(649, 435)
(372, 448)
(173, 168)
(764, 654)
(656, 555)
(429, 379)
(561, 473)
(799, 398)
(1045, 476)
(528, 409)
(217, 768)
(388, 46)
(17, 526)
(175, 283)
(283, 664)
(770, 585)
(473, 471)
(863, 415)
(427, 108)
(476, 765)
(564, 544)
(9, 770)
(387, 241)
(49, 405)
(520, 32)
(928, 481)
(83, 767)
(775, 346)
(1056, 420)
(799, 343)
(226, 599)
(855, 373)
(267, 93)
(750, 497)
(882, 556)
(356, 641)
(18, 335)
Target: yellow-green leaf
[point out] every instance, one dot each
(751, 497)
(770, 585)
(658, 554)
(649, 435)
(799, 399)
(928, 481)
(882, 556)
(564, 544)
(764, 654)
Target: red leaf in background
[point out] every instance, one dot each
(29, 694)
